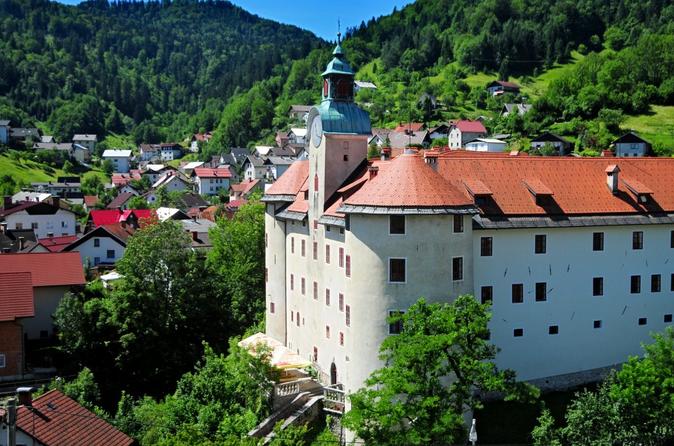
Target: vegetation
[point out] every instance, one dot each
(635, 406)
(411, 400)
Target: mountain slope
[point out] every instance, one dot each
(137, 60)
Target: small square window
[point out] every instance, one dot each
(341, 302)
(635, 284)
(668, 318)
(487, 294)
(327, 228)
(346, 157)
(327, 297)
(34, 225)
(553, 329)
(598, 241)
(597, 286)
(395, 327)
(656, 283)
(540, 244)
(347, 315)
(396, 270)
(638, 240)
(97, 243)
(518, 332)
(396, 224)
(111, 253)
(486, 246)
(596, 324)
(541, 291)
(643, 321)
(458, 223)
(517, 293)
(457, 268)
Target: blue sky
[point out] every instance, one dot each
(318, 16)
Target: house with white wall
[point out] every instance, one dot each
(464, 131)
(561, 145)
(486, 145)
(121, 160)
(170, 151)
(211, 181)
(88, 141)
(631, 144)
(103, 245)
(173, 181)
(46, 218)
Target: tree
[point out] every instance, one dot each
(108, 168)
(68, 166)
(432, 370)
(138, 202)
(238, 259)
(634, 406)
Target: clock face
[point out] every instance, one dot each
(316, 131)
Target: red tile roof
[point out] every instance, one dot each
(56, 244)
(413, 126)
(90, 200)
(408, 182)
(16, 296)
(471, 126)
(291, 181)
(113, 216)
(47, 269)
(56, 420)
(206, 172)
(245, 186)
(578, 184)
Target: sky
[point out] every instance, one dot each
(317, 16)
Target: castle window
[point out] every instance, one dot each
(292, 316)
(458, 223)
(304, 288)
(635, 284)
(638, 240)
(598, 241)
(327, 254)
(518, 332)
(553, 329)
(341, 257)
(597, 286)
(396, 224)
(517, 293)
(315, 250)
(297, 319)
(540, 244)
(327, 331)
(487, 294)
(315, 354)
(341, 338)
(315, 290)
(395, 327)
(541, 292)
(348, 266)
(341, 302)
(292, 245)
(303, 249)
(272, 307)
(486, 246)
(457, 268)
(396, 270)
(327, 297)
(292, 282)
(656, 283)
(347, 315)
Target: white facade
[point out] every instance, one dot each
(170, 153)
(120, 160)
(100, 250)
(458, 139)
(486, 145)
(60, 223)
(211, 186)
(631, 149)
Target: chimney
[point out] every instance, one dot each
(431, 157)
(25, 396)
(385, 153)
(3, 227)
(373, 170)
(612, 172)
(21, 243)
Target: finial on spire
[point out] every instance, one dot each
(339, 32)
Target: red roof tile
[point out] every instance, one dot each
(206, 172)
(411, 126)
(56, 420)
(579, 185)
(245, 186)
(408, 182)
(291, 181)
(113, 216)
(56, 244)
(16, 296)
(47, 269)
(471, 126)
(90, 200)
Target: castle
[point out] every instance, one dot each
(574, 254)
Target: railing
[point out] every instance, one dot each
(287, 389)
(334, 399)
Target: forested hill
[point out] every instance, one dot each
(587, 66)
(112, 66)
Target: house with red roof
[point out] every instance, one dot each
(53, 244)
(243, 189)
(463, 131)
(52, 275)
(500, 87)
(47, 219)
(103, 245)
(404, 127)
(54, 419)
(16, 304)
(210, 181)
(131, 217)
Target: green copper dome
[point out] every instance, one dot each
(343, 117)
(338, 64)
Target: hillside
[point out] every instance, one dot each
(620, 51)
(154, 69)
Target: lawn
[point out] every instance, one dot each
(657, 127)
(535, 87)
(26, 171)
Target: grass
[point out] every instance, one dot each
(116, 141)
(26, 171)
(535, 87)
(657, 127)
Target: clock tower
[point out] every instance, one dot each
(339, 131)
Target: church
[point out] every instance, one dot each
(576, 255)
